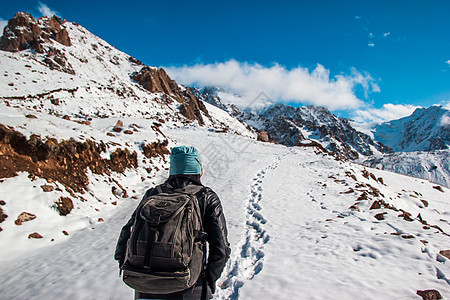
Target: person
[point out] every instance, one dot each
(186, 169)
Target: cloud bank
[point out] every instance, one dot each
(45, 10)
(386, 113)
(296, 85)
(3, 23)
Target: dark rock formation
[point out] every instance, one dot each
(66, 161)
(155, 149)
(429, 295)
(64, 206)
(24, 32)
(35, 235)
(156, 80)
(24, 217)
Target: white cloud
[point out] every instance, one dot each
(371, 45)
(386, 34)
(448, 62)
(45, 10)
(3, 23)
(299, 85)
(445, 120)
(386, 113)
(357, 17)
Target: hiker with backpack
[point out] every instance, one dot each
(162, 249)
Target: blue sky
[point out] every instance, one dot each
(382, 57)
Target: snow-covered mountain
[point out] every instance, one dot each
(421, 143)
(85, 130)
(427, 129)
(303, 126)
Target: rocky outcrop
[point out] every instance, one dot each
(24, 32)
(24, 217)
(155, 149)
(156, 80)
(429, 294)
(288, 125)
(64, 206)
(263, 136)
(63, 161)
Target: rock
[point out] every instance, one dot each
(406, 216)
(47, 188)
(363, 196)
(375, 205)
(365, 174)
(3, 216)
(445, 253)
(30, 116)
(439, 188)
(64, 206)
(100, 220)
(263, 136)
(128, 131)
(380, 180)
(24, 32)
(380, 216)
(65, 232)
(110, 134)
(425, 203)
(35, 235)
(407, 236)
(429, 294)
(24, 217)
(66, 117)
(2, 202)
(117, 129)
(114, 203)
(155, 149)
(354, 207)
(119, 124)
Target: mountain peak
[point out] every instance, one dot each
(24, 32)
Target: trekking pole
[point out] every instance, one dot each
(204, 283)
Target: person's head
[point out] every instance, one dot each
(185, 160)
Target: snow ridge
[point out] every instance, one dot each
(249, 262)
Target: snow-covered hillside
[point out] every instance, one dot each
(425, 130)
(85, 130)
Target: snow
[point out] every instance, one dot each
(282, 212)
(294, 228)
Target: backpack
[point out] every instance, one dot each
(166, 251)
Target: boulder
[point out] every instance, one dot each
(429, 294)
(263, 136)
(24, 217)
(35, 235)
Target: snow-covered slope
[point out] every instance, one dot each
(300, 227)
(425, 130)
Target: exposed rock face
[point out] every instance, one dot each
(64, 206)
(64, 161)
(425, 130)
(429, 295)
(24, 217)
(263, 136)
(156, 80)
(287, 124)
(24, 32)
(155, 149)
(3, 216)
(35, 235)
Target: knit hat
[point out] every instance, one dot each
(185, 160)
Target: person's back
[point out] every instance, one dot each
(185, 173)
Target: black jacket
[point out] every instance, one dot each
(213, 223)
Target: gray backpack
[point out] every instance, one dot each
(166, 249)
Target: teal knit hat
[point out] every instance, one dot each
(185, 160)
